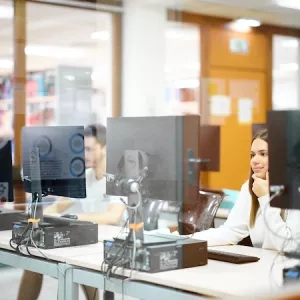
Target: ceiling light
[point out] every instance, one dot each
(6, 12)
(293, 4)
(54, 51)
(238, 27)
(248, 22)
(70, 77)
(6, 64)
(100, 35)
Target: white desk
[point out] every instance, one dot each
(51, 268)
(81, 265)
(55, 266)
(217, 279)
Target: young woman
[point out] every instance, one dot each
(252, 210)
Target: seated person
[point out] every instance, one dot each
(268, 227)
(96, 207)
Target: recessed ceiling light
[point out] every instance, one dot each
(238, 27)
(248, 22)
(54, 51)
(100, 35)
(293, 4)
(6, 12)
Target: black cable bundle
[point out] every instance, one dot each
(23, 240)
(119, 259)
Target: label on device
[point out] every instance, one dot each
(62, 239)
(168, 260)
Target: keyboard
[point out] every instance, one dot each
(233, 258)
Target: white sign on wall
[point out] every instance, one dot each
(239, 46)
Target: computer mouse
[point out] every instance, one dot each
(70, 216)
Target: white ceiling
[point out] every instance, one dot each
(267, 11)
(71, 29)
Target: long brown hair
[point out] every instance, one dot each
(263, 135)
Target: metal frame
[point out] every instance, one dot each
(121, 285)
(69, 278)
(37, 265)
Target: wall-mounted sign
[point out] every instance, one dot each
(239, 46)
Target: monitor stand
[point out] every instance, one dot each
(50, 232)
(150, 253)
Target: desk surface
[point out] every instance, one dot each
(61, 254)
(215, 279)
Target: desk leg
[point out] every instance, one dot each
(71, 288)
(61, 278)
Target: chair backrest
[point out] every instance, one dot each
(208, 214)
(151, 210)
(200, 216)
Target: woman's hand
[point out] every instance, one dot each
(260, 186)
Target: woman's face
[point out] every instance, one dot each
(259, 158)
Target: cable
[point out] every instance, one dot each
(286, 239)
(112, 261)
(277, 193)
(134, 232)
(274, 262)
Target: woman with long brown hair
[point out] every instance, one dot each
(252, 211)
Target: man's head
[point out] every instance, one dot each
(95, 145)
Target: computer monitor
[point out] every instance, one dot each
(284, 157)
(157, 153)
(53, 158)
(6, 172)
(53, 164)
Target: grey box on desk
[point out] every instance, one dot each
(8, 217)
(58, 232)
(184, 253)
(172, 253)
(193, 252)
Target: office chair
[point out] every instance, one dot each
(151, 209)
(200, 216)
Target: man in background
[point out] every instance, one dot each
(97, 207)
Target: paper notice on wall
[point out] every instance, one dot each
(220, 105)
(245, 110)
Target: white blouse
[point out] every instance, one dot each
(237, 226)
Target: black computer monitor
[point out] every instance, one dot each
(6, 171)
(160, 149)
(284, 157)
(56, 154)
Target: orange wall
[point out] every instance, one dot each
(237, 76)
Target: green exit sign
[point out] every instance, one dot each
(239, 46)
